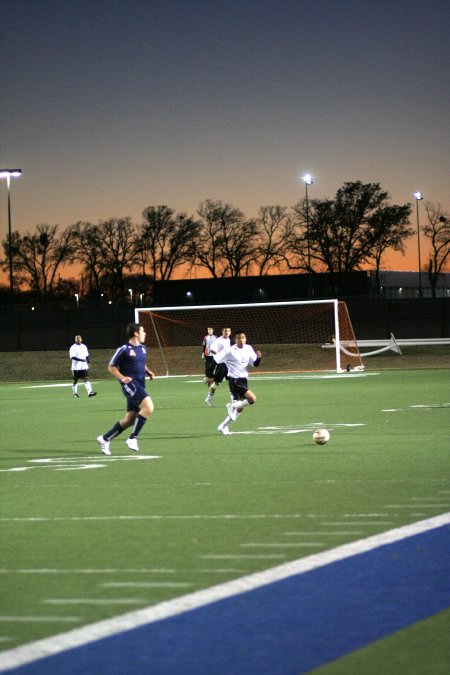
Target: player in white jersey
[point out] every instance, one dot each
(220, 370)
(79, 355)
(237, 359)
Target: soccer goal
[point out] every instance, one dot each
(290, 335)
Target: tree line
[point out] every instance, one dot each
(343, 234)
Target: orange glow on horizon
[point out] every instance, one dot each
(393, 261)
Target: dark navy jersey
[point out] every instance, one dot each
(131, 361)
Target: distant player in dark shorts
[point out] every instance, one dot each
(220, 370)
(210, 364)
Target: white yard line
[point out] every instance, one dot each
(102, 629)
(193, 516)
(291, 544)
(93, 601)
(242, 556)
(356, 522)
(146, 584)
(321, 534)
(444, 505)
(38, 619)
(87, 570)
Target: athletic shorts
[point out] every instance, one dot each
(210, 364)
(238, 387)
(220, 372)
(79, 374)
(135, 394)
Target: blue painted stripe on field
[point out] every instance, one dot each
(285, 628)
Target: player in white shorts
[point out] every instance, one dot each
(237, 359)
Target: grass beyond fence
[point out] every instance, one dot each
(55, 365)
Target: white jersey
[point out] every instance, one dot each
(79, 352)
(237, 359)
(219, 345)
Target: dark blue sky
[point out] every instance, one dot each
(109, 107)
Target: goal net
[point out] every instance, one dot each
(292, 336)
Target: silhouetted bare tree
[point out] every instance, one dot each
(347, 232)
(437, 230)
(118, 247)
(37, 258)
(226, 241)
(88, 252)
(390, 231)
(165, 241)
(273, 223)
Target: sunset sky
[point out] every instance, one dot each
(110, 106)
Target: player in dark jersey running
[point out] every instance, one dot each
(129, 366)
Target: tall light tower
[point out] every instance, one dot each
(7, 173)
(419, 197)
(308, 180)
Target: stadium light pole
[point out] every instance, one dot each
(419, 197)
(7, 173)
(308, 180)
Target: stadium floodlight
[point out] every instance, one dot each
(7, 173)
(419, 197)
(308, 180)
(299, 335)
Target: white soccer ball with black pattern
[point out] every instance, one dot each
(321, 436)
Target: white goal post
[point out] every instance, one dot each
(290, 335)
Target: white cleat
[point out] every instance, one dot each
(224, 429)
(209, 401)
(132, 444)
(104, 445)
(232, 412)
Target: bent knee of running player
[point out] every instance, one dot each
(250, 396)
(146, 407)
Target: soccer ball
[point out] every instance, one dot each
(321, 436)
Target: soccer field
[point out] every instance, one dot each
(86, 538)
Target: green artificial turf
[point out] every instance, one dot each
(195, 508)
